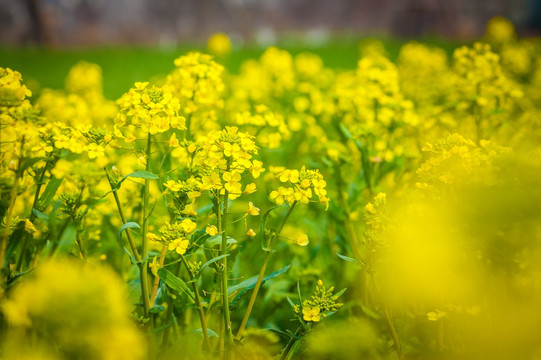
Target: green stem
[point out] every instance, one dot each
(198, 304)
(81, 246)
(32, 216)
(223, 251)
(169, 315)
(144, 241)
(9, 217)
(290, 344)
(392, 329)
(128, 232)
(262, 272)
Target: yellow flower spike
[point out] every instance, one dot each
(311, 314)
(212, 230)
(252, 210)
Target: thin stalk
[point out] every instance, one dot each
(169, 314)
(144, 241)
(198, 304)
(154, 292)
(128, 232)
(394, 334)
(32, 216)
(262, 272)
(9, 217)
(290, 344)
(223, 251)
(392, 329)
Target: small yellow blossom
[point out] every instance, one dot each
(311, 314)
(212, 230)
(251, 233)
(250, 189)
(188, 225)
(179, 245)
(29, 227)
(173, 185)
(302, 240)
(252, 210)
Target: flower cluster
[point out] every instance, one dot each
(12, 91)
(302, 184)
(224, 156)
(148, 109)
(321, 304)
(176, 236)
(456, 160)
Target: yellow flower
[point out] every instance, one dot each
(251, 233)
(212, 230)
(219, 44)
(257, 168)
(290, 175)
(173, 185)
(29, 227)
(154, 266)
(173, 141)
(188, 226)
(95, 151)
(436, 315)
(179, 245)
(189, 210)
(250, 189)
(302, 240)
(370, 208)
(252, 210)
(232, 183)
(152, 237)
(311, 314)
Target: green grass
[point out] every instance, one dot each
(123, 66)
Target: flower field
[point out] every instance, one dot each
(287, 210)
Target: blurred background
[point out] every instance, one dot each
(172, 22)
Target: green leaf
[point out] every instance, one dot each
(138, 174)
(175, 283)
(281, 333)
(340, 293)
(49, 192)
(157, 309)
(262, 229)
(351, 260)
(217, 240)
(41, 215)
(249, 284)
(128, 225)
(67, 239)
(211, 261)
(28, 162)
(291, 302)
(211, 332)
